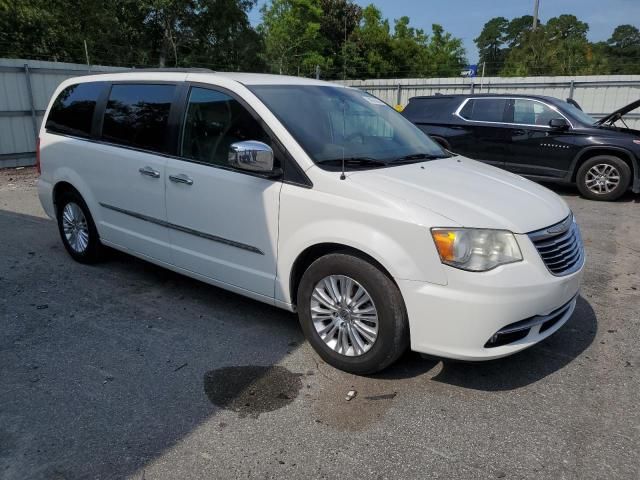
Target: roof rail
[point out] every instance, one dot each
(177, 69)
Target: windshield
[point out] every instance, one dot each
(579, 114)
(332, 123)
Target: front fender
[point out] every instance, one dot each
(403, 247)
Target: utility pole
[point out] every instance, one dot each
(86, 54)
(536, 6)
(344, 51)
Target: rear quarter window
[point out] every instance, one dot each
(72, 111)
(426, 109)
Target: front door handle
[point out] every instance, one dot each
(519, 132)
(150, 172)
(182, 178)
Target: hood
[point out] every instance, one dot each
(469, 193)
(619, 113)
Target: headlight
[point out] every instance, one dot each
(474, 249)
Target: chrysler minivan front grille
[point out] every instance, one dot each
(560, 247)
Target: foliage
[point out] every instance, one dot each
(131, 32)
(291, 29)
(296, 37)
(560, 47)
(623, 50)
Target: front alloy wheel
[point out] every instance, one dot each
(603, 177)
(344, 315)
(352, 313)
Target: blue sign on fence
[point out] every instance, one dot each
(469, 71)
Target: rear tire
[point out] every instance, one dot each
(77, 229)
(603, 177)
(356, 280)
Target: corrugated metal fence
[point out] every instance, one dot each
(597, 95)
(27, 85)
(25, 89)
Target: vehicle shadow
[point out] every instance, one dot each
(516, 371)
(106, 367)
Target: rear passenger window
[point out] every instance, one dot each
(137, 116)
(72, 112)
(485, 110)
(215, 120)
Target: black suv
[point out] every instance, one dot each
(539, 137)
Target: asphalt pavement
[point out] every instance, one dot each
(126, 370)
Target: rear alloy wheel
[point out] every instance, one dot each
(352, 313)
(74, 225)
(603, 177)
(77, 230)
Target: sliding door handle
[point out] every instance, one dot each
(182, 178)
(149, 172)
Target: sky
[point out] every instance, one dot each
(465, 18)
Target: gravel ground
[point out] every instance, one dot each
(125, 370)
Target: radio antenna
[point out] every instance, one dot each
(344, 136)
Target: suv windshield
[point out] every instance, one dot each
(336, 123)
(579, 114)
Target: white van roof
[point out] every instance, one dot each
(179, 75)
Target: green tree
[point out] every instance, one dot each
(213, 33)
(490, 44)
(560, 47)
(446, 53)
(291, 30)
(623, 50)
(374, 48)
(517, 29)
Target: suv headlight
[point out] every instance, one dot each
(476, 250)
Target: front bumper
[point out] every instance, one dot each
(459, 319)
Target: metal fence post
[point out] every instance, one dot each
(472, 87)
(399, 95)
(31, 105)
(572, 87)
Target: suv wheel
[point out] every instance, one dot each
(352, 314)
(603, 177)
(77, 229)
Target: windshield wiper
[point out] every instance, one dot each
(354, 161)
(417, 157)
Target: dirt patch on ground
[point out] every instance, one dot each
(18, 191)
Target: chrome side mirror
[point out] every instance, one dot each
(251, 155)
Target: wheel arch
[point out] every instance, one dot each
(314, 252)
(60, 188)
(622, 153)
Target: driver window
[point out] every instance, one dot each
(213, 121)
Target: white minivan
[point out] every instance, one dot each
(316, 198)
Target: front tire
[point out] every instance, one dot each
(352, 314)
(603, 177)
(77, 229)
